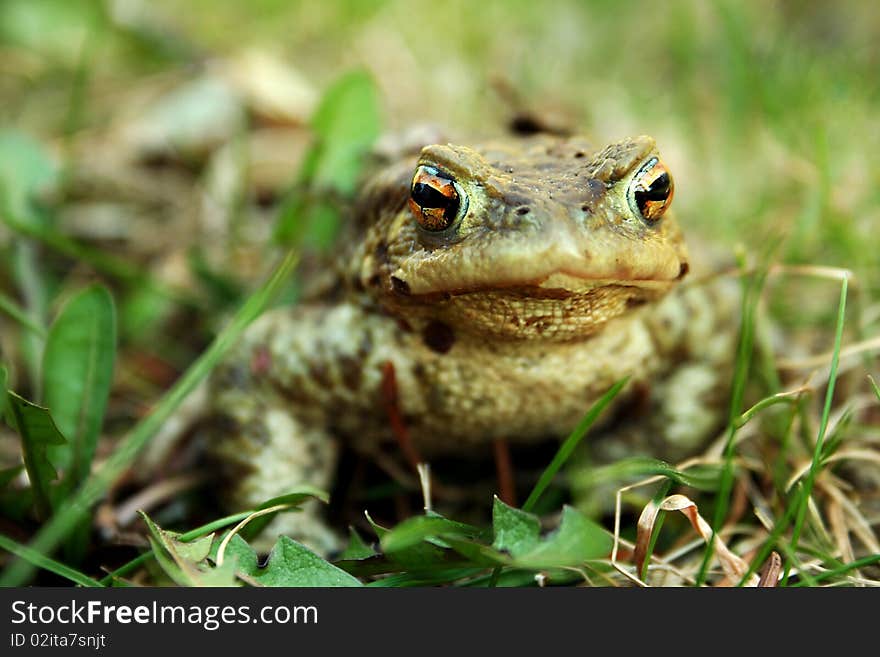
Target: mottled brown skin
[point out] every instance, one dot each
(509, 324)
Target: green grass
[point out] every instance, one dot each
(72, 509)
(570, 444)
(766, 116)
(751, 290)
(818, 452)
(40, 560)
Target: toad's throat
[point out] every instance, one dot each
(538, 312)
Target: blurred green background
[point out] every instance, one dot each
(766, 111)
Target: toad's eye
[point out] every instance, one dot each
(651, 189)
(435, 199)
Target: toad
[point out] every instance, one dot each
(508, 284)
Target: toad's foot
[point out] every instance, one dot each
(266, 452)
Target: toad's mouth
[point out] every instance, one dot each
(518, 283)
(554, 294)
(565, 282)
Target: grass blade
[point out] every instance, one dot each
(44, 562)
(20, 315)
(68, 515)
(101, 261)
(571, 442)
(807, 489)
(752, 287)
(700, 476)
(842, 570)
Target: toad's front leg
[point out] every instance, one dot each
(264, 451)
(266, 437)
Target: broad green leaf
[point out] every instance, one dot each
(323, 225)
(239, 552)
(54, 29)
(160, 544)
(166, 562)
(186, 537)
(516, 531)
(225, 575)
(196, 550)
(37, 431)
(26, 172)
(179, 560)
(293, 564)
(77, 375)
(413, 531)
(420, 555)
(476, 552)
(577, 540)
(346, 123)
(379, 529)
(356, 549)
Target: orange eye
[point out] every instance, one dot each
(651, 190)
(435, 199)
